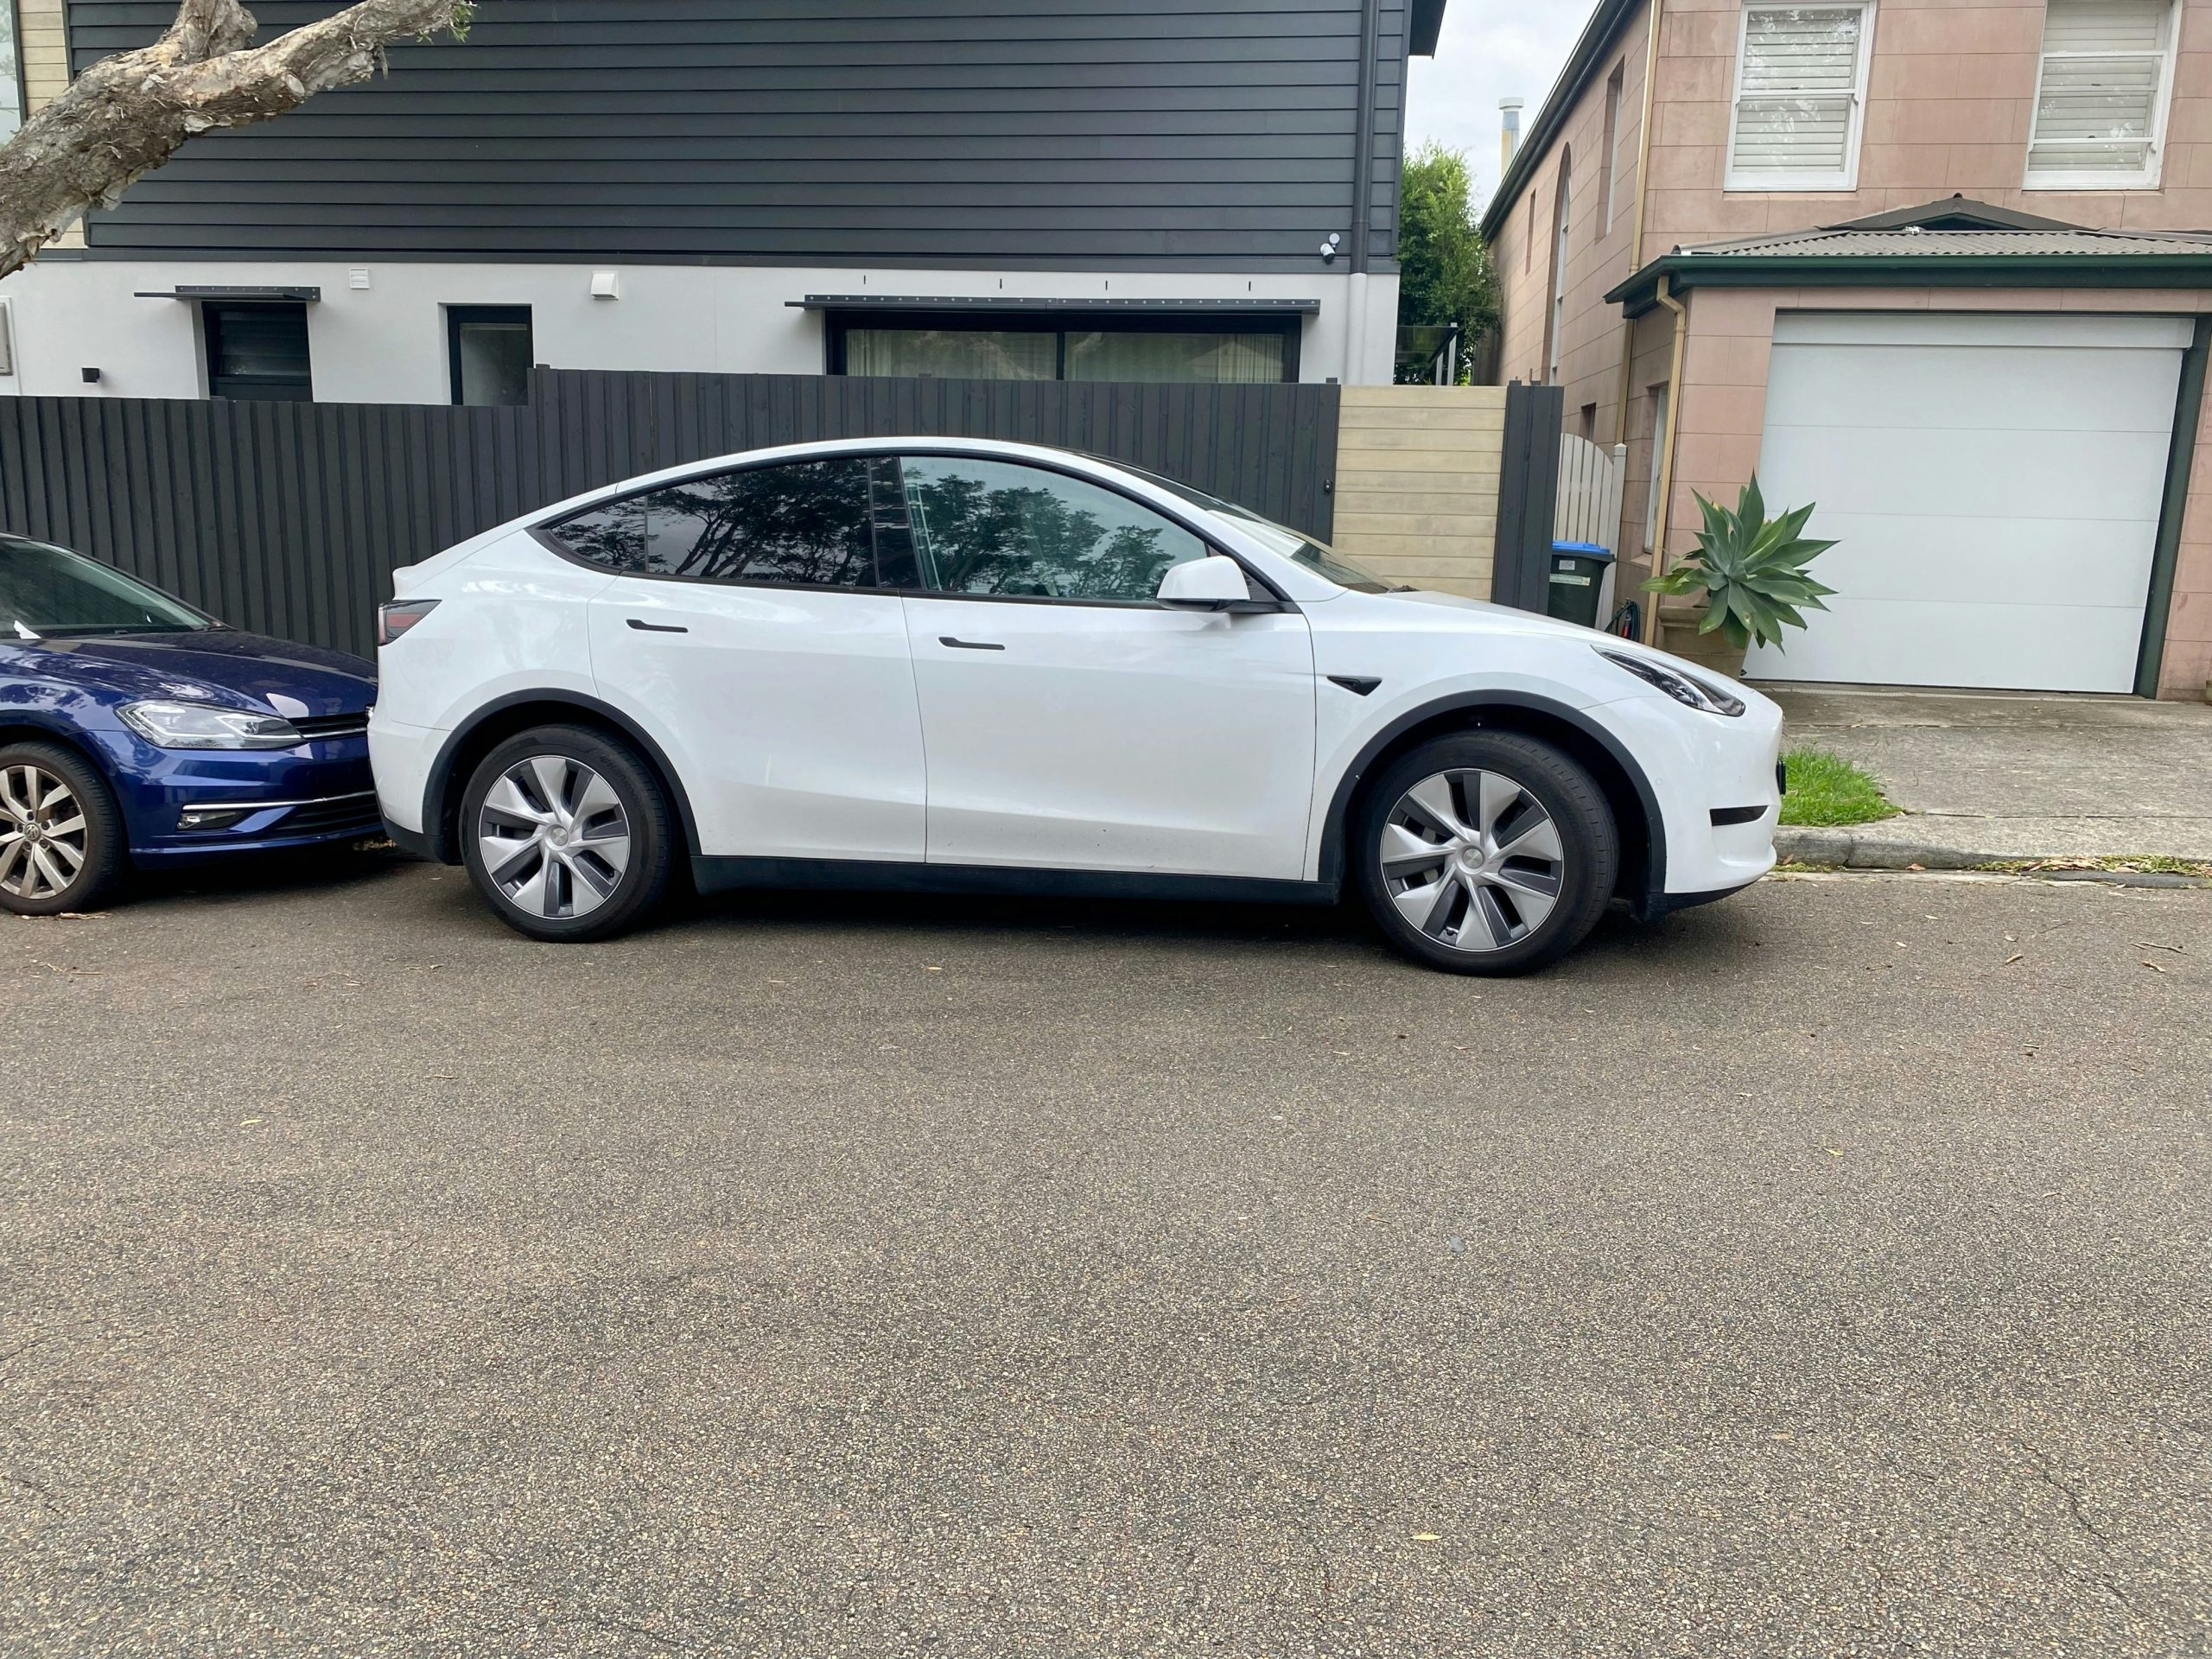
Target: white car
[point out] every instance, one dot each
(946, 664)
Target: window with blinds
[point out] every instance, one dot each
(1800, 90)
(2100, 103)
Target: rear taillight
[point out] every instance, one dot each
(395, 618)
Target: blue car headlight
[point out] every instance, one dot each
(1685, 689)
(208, 726)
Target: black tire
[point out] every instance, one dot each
(101, 846)
(635, 890)
(1485, 891)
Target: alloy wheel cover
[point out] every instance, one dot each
(1471, 860)
(554, 837)
(44, 837)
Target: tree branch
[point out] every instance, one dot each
(128, 114)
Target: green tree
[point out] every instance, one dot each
(1444, 264)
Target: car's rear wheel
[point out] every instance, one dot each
(1486, 853)
(567, 834)
(61, 838)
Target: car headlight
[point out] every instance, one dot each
(208, 726)
(1685, 689)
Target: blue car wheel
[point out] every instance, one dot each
(61, 838)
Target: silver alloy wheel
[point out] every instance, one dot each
(43, 835)
(1473, 860)
(554, 837)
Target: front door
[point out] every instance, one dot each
(1073, 722)
(754, 633)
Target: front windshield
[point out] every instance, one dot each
(49, 591)
(1301, 550)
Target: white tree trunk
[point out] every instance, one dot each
(128, 114)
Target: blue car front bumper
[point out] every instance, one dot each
(186, 804)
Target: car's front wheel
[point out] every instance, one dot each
(1486, 853)
(61, 838)
(567, 834)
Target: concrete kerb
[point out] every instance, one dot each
(1843, 850)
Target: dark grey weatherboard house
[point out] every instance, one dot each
(1196, 190)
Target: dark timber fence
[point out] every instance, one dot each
(288, 519)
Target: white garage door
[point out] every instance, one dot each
(1993, 483)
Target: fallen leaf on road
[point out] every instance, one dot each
(2152, 944)
(248, 1122)
(1426, 1538)
(2154, 967)
(2017, 956)
(932, 970)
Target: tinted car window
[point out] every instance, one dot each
(50, 590)
(814, 523)
(994, 527)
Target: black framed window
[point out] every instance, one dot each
(257, 350)
(1002, 529)
(1079, 345)
(489, 350)
(838, 523)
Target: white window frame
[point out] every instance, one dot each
(2143, 178)
(11, 24)
(1848, 179)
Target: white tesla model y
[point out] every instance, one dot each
(943, 664)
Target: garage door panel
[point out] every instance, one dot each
(2085, 475)
(1956, 387)
(1964, 560)
(1993, 482)
(1970, 644)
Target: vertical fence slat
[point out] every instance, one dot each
(289, 518)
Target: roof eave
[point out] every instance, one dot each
(1638, 293)
(1581, 63)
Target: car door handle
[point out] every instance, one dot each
(967, 645)
(657, 628)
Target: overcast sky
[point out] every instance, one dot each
(1490, 49)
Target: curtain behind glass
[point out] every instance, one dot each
(1217, 360)
(953, 353)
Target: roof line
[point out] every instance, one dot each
(1636, 293)
(1581, 63)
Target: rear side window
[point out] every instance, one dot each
(814, 523)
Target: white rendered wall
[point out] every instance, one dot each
(387, 343)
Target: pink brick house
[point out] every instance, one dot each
(1943, 268)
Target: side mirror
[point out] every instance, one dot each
(1208, 584)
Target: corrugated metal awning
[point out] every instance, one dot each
(1000, 302)
(293, 295)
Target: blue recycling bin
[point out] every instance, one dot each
(1581, 585)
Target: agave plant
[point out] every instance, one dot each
(1751, 569)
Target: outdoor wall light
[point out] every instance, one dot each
(1328, 247)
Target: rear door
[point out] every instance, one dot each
(1071, 722)
(753, 629)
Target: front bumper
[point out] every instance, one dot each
(250, 800)
(1703, 767)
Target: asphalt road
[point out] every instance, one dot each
(1826, 1271)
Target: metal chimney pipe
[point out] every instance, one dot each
(1508, 138)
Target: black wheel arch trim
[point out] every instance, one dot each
(1653, 885)
(438, 791)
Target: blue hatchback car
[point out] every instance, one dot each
(136, 731)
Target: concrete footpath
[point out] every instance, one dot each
(1986, 775)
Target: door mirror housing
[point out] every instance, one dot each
(1208, 584)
